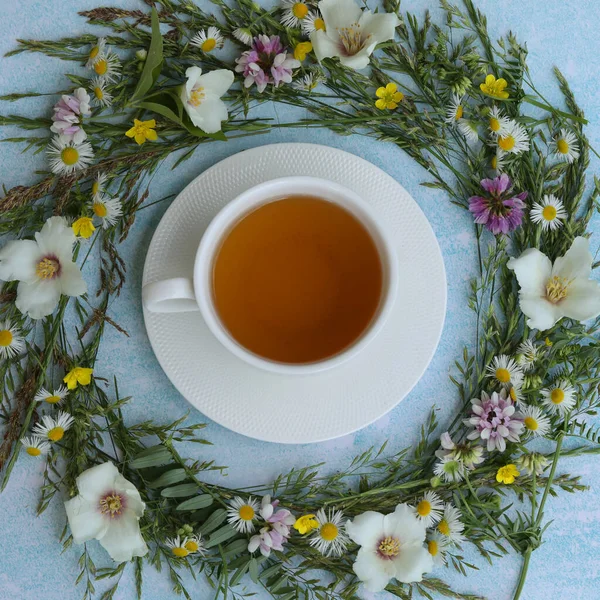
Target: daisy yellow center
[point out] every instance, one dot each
(111, 505)
(351, 39)
(433, 548)
(556, 289)
(494, 124)
(6, 338)
(69, 156)
(329, 532)
(180, 552)
(494, 162)
(192, 546)
(549, 213)
(562, 146)
(319, 24)
(95, 187)
(52, 399)
(459, 112)
(98, 92)
(99, 209)
(33, 451)
(56, 434)
(94, 52)
(513, 394)
(246, 513)
(503, 375)
(557, 396)
(443, 527)
(300, 10)
(423, 508)
(101, 67)
(530, 423)
(47, 268)
(197, 96)
(389, 547)
(507, 143)
(208, 45)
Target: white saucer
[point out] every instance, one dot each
(311, 408)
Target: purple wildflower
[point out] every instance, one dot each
(495, 420)
(276, 531)
(499, 211)
(68, 113)
(267, 62)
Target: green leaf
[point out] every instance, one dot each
(213, 521)
(236, 547)
(221, 535)
(168, 478)
(151, 457)
(237, 576)
(180, 491)
(253, 569)
(153, 63)
(201, 501)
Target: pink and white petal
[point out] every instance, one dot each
(123, 539)
(532, 269)
(411, 563)
(38, 299)
(577, 261)
(323, 45)
(403, 525)
(366, 529)
(71, 280)
(216, 82)
(374, 572)
(85, 520)
(97, 481)
(56, 237)
(339, 13)
(18, 261)
(542, 314)
(582, 301)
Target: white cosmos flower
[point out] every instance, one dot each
(294, 13)
(351, 34)
(429, 508)
(450, 526)
(563, 289)
(550, 213)
(208, 39)
(559, 398)
(54, 429)
(469, 130)
(51, 397)
(505, 371)
(35, 445)
(241, 514)
(527, 354)
(455, 110)
(566, 146)
(201, 97)
(514, 139)
(100, 96)
(11, 340)
(108, 508)
(44, 268)
(535, 420)
(498, 123)
(312, 22)
(437, 545)
(330, 538)
(391, 546)
(67, 157)
(108, 210)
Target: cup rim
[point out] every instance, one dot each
(239, 206)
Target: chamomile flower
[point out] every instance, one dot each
(193, 543)
(99, 186)
(307, 83)
(469, 130)
(294, 12)
(244, 35)
(108, 66)
(566, 146)
(96, 51)
(242, 514)
(505, 371)
(312, 22)
(498, 123)
(449, 469)
(450, 525)
(208, 39)
(560, 398)
(514, 139)
(100, 96)
(515, 392)
(108, 210)
(11, 340)
(498, 161)
(51, 397)
(330, 538)
(35, 445)
(54, 429)
(527, 354)
(455, 110)
(67, 157)
(437, 544)
(550, 213)
(429, 509)
(535, 420)
(182, 547)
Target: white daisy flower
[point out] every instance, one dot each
(107, 66)
(330, 539)
(312, 22)
(527, 353)
(100, 96)
(99, 186)
(560, 398)
(51, 397)
(498, 161)
(514, 140)
(514, 393)
(449, 469)
(307, 83)
(450, 526)
(241, 514)
(96, 52)
(469, 130)
(208, 39)
(68, 157)
(505, 371)
(429, 508)
(244, 35)
(294, 12)
(455, 110)
(184, 546)
(498, 123)
(550, 213)
(437, 544)
(535, 420)
(193, 543)
(566, 146)
(53, 429)
(11, 340)
(108, 210)
(35, 445)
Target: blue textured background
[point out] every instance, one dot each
(567, 565)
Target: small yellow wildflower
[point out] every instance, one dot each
(548, 342)
(142, 131)
(305, 524)
(78, 375)
(83, 227)
(494, 87)
(507, 474)
(389, 96)
(301, 50)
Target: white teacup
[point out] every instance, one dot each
(182, 295)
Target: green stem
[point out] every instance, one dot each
(523, 573)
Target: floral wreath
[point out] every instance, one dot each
(456, 104)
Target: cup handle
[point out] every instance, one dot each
(170, 296)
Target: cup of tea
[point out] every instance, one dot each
(294, 276)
